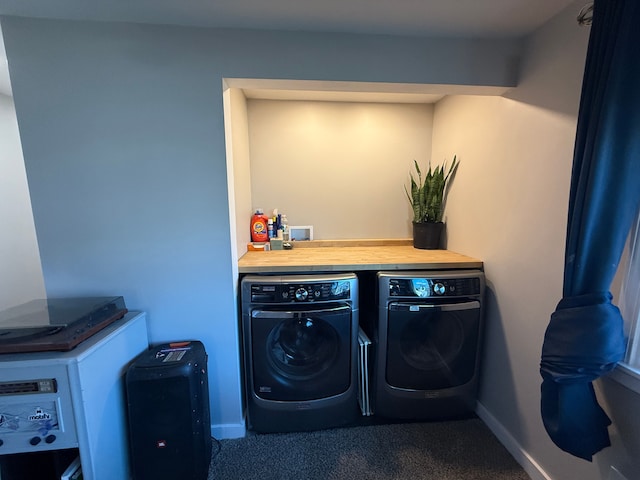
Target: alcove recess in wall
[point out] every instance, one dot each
(322, 200)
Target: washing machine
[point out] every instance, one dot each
(427, 343)
(300, 348)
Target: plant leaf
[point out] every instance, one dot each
(427, 198)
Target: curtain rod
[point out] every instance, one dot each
(586, 15)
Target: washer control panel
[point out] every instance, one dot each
(300, 292)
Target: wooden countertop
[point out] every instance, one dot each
(352, 255)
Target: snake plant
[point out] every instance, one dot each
(427, 198)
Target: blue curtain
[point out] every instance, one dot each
(585, 338)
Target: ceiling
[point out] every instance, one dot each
(441, 18)
(467, 18)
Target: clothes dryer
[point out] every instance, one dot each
(428, 339)
(300, 342)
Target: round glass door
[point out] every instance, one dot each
(431, 346)
(302, 348)
(431, 342)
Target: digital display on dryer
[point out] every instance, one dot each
(421, 287)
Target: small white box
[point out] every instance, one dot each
(301, 233)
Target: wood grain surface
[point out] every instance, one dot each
(357, 255)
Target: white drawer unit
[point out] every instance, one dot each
(73, 399)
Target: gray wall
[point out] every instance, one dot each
(123, 139)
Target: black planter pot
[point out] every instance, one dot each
(427, 235)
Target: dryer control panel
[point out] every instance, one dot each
(434, 287)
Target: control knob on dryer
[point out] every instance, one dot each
(439, 288)
(301, 294)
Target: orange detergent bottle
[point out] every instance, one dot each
(259, 232)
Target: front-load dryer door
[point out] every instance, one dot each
(301, 354)
(431, 347)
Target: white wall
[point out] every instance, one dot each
(5, 82)
(508, 206)
(338, 166)
(238, 167)
(20, 271)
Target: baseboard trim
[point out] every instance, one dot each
(228, 431)
(533, 469)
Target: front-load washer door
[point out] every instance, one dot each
(301, 354)
(431, 347)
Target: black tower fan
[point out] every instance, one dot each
(168, 411)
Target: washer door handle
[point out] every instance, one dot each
(260, 313)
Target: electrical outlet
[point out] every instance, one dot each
(614, 474)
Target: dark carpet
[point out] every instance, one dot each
(452, 450)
